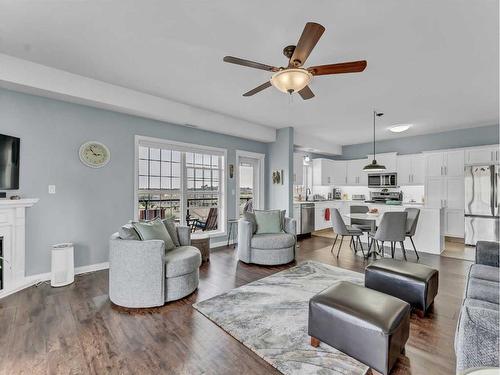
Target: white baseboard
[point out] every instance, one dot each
(220, 243)
(41, 277)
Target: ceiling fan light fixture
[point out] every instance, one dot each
(291, 80)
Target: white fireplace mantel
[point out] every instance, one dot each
(13, 233)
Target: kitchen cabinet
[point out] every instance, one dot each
(298, 169)
(339, 172)
(411, 169)
(444, 187)
(454, 223)
(445, 163)
(386, 159)
(355, 173)
(435, 191)
(322, 172)
(482, 155)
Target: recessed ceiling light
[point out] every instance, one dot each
(400, 128)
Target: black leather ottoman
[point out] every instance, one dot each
(367, 325)
(414, 283)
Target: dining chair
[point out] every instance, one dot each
(363, 225)
(343, 230)
(411, 225)
(392, 229)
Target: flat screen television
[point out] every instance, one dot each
(9, 162)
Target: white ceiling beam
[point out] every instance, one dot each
(308, 143)
(29, 77)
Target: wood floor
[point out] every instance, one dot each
(75, 329)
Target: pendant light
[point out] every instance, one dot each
(374, 166)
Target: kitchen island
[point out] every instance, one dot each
(429, 237)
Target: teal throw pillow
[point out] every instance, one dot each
(268, 221)
(154, 230)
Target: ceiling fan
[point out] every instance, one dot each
(295, 78)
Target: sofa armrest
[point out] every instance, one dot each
(290, 225)
(487, 253)
(136, 272)
(184, 233)
(245, 233)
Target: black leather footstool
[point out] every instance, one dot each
(367, 325)
(414, 283)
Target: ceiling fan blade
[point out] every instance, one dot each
(250, 64)
(258, 89)
(306, 93)
(347, 67)
(310, 36)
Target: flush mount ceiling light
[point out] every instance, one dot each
(400, 128)
(307, 160)
(374, 166)
(291, 80)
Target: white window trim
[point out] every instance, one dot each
(185, 147)
(262, 165)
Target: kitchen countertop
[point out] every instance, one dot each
(404, 204)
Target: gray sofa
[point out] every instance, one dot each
(267, 249)
(476, 340)
(141, 274)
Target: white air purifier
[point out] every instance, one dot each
(63, 266)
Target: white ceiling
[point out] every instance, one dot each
(431, 63)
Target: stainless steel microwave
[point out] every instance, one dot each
(376, 180)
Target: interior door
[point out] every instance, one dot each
(249, 183)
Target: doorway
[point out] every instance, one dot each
(249, 181)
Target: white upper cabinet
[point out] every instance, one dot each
(482, 155)
(339, 172)
(387, 159)
(322, 172)
(298, 169)
(355, 173)
(435, 191)
(454, 163)
(445, 163)
(411, 169)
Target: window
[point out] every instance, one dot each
(180, 181)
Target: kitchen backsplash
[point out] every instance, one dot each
(410, 193)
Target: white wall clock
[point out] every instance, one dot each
(94, 154)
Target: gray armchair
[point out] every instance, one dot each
(267, 249)
(142, 275)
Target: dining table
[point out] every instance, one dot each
(375, 220)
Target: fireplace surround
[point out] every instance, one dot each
(12, 234)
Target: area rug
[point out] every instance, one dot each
(269, 316)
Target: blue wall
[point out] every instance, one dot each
(89, 204)
(280, 196)
(485, 135)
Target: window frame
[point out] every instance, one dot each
(183, 148)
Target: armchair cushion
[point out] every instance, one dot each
(172, 231)
(250, 217)
(268, 221)
(154, 230)
(181, 261)
(272, 241)
(127, 232)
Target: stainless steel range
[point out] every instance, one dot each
(384, 196)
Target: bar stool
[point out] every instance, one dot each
(411, 225)
(343, 230)
(392, 228)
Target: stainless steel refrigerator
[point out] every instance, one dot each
(481, 204)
